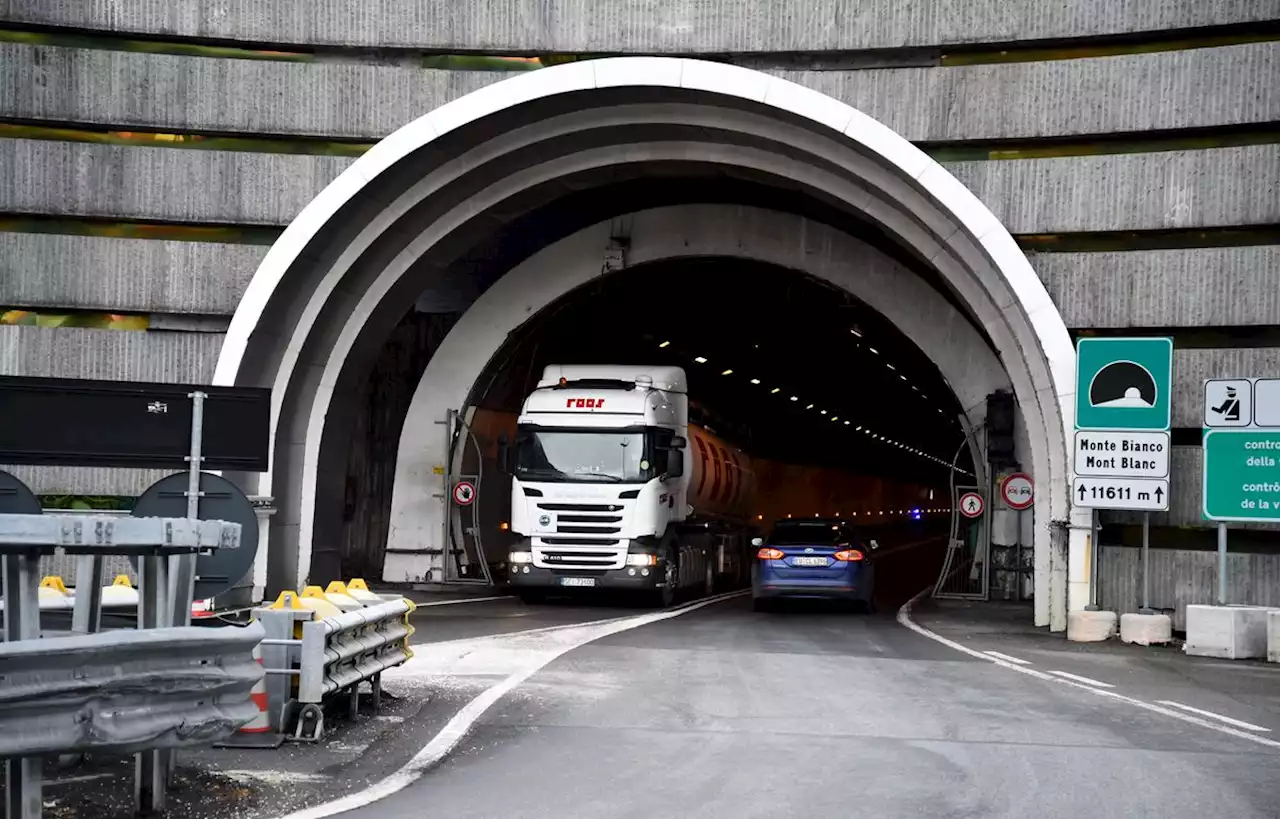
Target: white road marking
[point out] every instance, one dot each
(1085, 680)
(1238, 723)
(274, 777)
(457, 728)
(463, 600)
(904, 617)
(1007, 658)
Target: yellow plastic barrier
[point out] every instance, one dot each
(314, 599)
(359, 590)
(337, 594)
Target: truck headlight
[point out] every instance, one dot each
(520, 557)
(642, 560)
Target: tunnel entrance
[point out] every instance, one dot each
(841, 414)
(501, 202)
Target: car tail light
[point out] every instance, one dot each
(849, 555)
(770, 554)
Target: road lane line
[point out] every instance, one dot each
(1085, 680)
(1007, 658)
(439, 746)
(904, 618)
(1238, 723)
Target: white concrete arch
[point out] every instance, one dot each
(793, 242)
(311, 315)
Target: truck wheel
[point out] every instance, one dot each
(532, 598)
(665, 597)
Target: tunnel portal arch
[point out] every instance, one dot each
(324, 297)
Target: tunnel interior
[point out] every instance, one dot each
(794, 371)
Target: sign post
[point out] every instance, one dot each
(1124, 398)
(1241, 471)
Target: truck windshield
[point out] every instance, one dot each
(583, 455)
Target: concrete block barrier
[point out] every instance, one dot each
(1146, 629)
(1227, 632)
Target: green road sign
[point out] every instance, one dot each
(1242, 475)
(1124, 383)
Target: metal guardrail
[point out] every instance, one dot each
(173, 686)
(155, 688)
(310, 658)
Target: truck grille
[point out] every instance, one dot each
(586, 538)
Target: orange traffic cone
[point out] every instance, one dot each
(257, 732)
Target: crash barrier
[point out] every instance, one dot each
(321, 645)
(143, 691)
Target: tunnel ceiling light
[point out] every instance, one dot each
(890, 366)
(854, 330)
(822, 412)
(903, 377)
(874, 350)
(837, 418)
(755, 381)
(777, 390)
(795, 398)
(665, 344)
(727, 372)
(700, 359)
(846, 423)
(808, 407)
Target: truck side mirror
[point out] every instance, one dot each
(678, 442)
(757, 542)
(504, 454)
(675, 463)
(874, 545)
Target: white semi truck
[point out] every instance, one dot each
(612, 488)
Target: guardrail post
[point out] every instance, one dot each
(23, 776)
(86, 617)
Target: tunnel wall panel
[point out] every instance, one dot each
(631, 26)
(139, 275)
(1196, 287)
(103, 354)
(1029, 99)
(1171, 189)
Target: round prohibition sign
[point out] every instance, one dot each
(1018, 491)
(971, 504)
(464, 493)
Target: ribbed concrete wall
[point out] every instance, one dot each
(1216, 287)
(1057, 98)
(637, 25)
(1138, 290)
(1139, 191)
(131, 275)
(1238, 286)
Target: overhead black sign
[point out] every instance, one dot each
(78, 422)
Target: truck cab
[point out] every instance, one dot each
(598, 481)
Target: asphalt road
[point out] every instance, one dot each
(817, 712)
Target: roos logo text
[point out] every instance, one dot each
(584, 403)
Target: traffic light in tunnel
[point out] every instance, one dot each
(1000, 410)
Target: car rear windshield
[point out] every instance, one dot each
(812, 534)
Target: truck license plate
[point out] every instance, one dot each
(809, 561)
(577, 581)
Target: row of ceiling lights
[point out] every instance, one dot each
(875, 436)
(871, 514)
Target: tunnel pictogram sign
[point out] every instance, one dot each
(971, 504)
(464, 493)
(1124, 383)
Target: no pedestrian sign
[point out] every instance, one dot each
(971, 504)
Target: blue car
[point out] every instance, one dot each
(813, 558)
